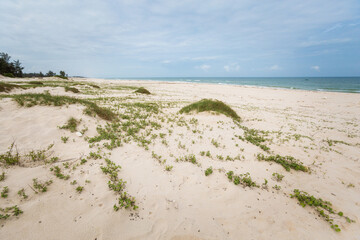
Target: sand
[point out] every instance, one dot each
(321, 129)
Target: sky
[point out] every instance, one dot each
(172, 38)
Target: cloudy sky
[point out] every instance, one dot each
(159, 38)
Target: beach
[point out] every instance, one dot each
(164, 155)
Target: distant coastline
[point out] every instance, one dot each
(327, 84)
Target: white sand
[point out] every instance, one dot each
(183, 203)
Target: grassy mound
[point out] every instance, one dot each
(211, 105)
(71, 89)
(7, 87)
(142, 91)
(36, 83)
(94, 85)
(62, 77)
(32, 99)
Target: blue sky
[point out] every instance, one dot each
(138, 38)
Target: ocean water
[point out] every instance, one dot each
(330, 84)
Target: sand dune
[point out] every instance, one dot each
(320, 129)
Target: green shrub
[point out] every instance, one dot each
(10, 75)
(211, 105)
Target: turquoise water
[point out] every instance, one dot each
(330, 84)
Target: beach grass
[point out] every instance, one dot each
(32, 99)
(7, 87)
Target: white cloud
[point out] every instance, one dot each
(333, 28)
(166, 61)
(232, 67)
(204, 58)
(204, 67)
(325, 42)
(275, 67)
(316, 68)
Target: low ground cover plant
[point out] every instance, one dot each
(243, 179)
(288, 162)
(278, 177)
(40, 186)
(323, 208)
(2, 176)
(5, 192)
(118, 186)
(71, 124)
(22, 193)
(208, 171)
(187, 158)
(58, 173)
(255, 137)
(10, 157)
(5, 212)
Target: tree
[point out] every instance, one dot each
(62, 74)
(5, 57)
(18, 69)
(50, 74)
(7, 67)
(4, 63)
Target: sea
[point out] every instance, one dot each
(329, 84)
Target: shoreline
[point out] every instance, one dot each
(140, 81)
(250, 85)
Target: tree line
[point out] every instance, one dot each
(14, 69)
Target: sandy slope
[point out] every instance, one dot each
(183, 203)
